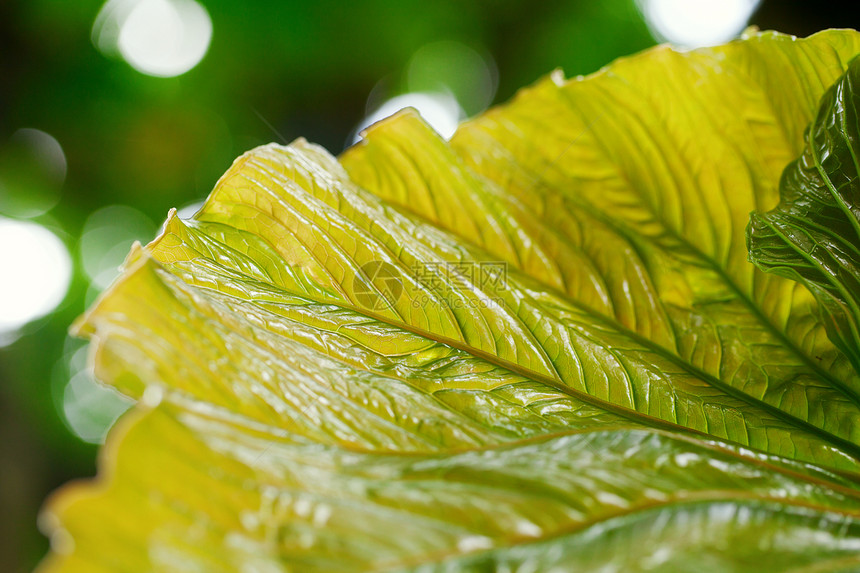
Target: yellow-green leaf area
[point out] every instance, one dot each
(539, 346)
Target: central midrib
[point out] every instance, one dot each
(561, 386)
(557, 382)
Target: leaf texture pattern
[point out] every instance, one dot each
(537, 347)
(812, 235)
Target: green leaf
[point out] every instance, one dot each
(538, 347)
(813, 235)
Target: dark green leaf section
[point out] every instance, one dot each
(813, 235)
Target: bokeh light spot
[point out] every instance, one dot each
(452, 66)
(162, 38)
(188, 211)
(32, 172)
(697, 23)
(440, 110)
(35, 271)
(106, 239)
(88, 407)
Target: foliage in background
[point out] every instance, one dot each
(541, 345)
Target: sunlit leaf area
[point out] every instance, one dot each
(113, 113)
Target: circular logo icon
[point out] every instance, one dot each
(382, 287)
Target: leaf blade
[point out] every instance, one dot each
(811, 236)
(630, 383)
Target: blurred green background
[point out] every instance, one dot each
(112, 113)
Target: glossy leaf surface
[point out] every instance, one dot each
(813, 235)
(538, 347)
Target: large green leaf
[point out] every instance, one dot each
(539, 347)
(813, 235)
